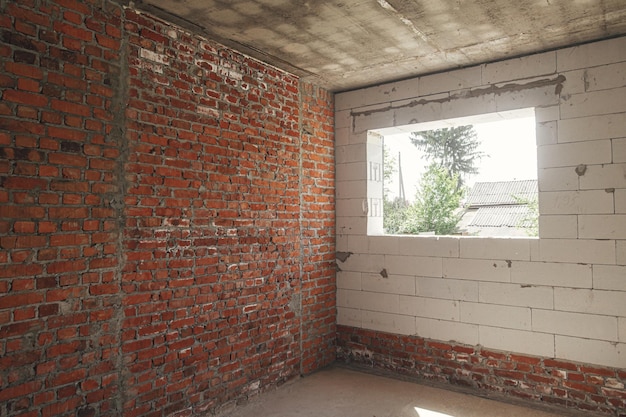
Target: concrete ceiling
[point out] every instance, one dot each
(347, 44)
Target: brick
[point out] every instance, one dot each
(557, 179)
(619, 150)
(516, 295)
(447, 330)
(518, 318)
(368, 301)
(604, 177)
(575, 83)
(609, 277)
(392, 284)
(558, 227)
(413, 265)
(71, 108)
(602, 227)
(589, 301)
(517, 341)
(392, 323)
(20, 242)
(63, 267)
(21, 97)
(68, 377)
(27, 85)
(461, 106)
(546, 133)
(597, 371)
(479, 270)
(29, 15)
(591, 55)
(448, 289)
(541, 95)
(575, 324)
(576, 202)
(604, 126)
(24, 70)
(349, 280)
(574, 153)
(429, 308)
(361, 263)
(589, 351)
(21, 183)
(450, 81)
(73, 31)
(20, 390)
(594, 103)
(495, 248)
(515, 69)
(428, 246)
(18, 300)
(63, 133)
(65, 159)
(577, 251)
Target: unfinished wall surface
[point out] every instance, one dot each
(538, 318)
(166, 217)
(59, 212)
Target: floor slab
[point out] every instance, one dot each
(342, 392)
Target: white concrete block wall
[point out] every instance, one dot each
(552, 274)
(606, 126)
(576, 202)
(558, 227)
(575, 324)
(557, 179)
(430, 308)
(493, 293)
(620, 249)
(562, 295)
(609, 277)
(519, 68)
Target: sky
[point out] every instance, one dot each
(510, 144)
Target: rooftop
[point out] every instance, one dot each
(501, 193)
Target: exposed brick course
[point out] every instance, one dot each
(58, 319)
(568, 384)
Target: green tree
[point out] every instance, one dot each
(455, 149)
(395, 211)
(437, 206)
(389, 169)
(530, 221)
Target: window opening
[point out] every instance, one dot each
(473, 176)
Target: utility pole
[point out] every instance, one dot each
(400, 180)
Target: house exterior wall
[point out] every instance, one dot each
(166, 217)
(559, 298)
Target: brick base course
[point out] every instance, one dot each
(568, 384)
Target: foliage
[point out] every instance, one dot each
(455, 149)
(389, 168)
(436, 208)
(394, 211)
(530, 222)
(438, 201)
(396, 216)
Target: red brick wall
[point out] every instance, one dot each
(166, 217)
(317, 198)
(59, 252)
(563, 383)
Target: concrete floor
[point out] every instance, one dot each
(342, 392)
